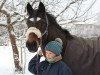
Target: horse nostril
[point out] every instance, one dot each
(31, 46)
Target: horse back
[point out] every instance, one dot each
(83, 55)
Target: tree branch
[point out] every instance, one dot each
(65, 8)
(78, 8)
(18, 21)
(87, 9)
(15, 13)
(14, 22)
(76, 16)
(2, 4)
(7, 15)
(3, 25)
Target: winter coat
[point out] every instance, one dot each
(46, 68)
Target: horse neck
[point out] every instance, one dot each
(57, 32)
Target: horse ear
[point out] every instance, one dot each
(41, 8)
(29, 9)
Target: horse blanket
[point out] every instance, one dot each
(83, 55)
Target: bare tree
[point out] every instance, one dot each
(77, 13)
(9, 27)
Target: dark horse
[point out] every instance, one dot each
(81, 55)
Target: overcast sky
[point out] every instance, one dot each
(96, 7)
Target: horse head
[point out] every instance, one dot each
(37, 24)
(43, 26)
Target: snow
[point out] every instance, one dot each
(7, 64)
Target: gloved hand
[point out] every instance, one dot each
(40, 53)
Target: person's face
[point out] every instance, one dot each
(50, 55)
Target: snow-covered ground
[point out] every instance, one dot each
(7, 64)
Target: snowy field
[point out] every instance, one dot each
(6, 61)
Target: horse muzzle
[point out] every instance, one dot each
(31, 46)
(33, 35)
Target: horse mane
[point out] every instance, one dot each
(52, 21)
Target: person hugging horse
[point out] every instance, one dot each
(52, 65)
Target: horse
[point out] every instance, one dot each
(81, 55)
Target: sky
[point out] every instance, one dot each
(96, 7)
(95, 12)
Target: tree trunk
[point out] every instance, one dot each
(15, 50)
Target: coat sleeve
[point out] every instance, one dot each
(33, 65)
(65, 70)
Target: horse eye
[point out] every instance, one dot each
(38, 18)
(31, 19)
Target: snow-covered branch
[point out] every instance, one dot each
(7, 15)
(66, 8)
(2, 4)
(2, 25)
(87, 9)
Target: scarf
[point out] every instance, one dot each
(54, 59)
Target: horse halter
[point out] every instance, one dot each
(46, 30)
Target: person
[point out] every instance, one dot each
(52, 65)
